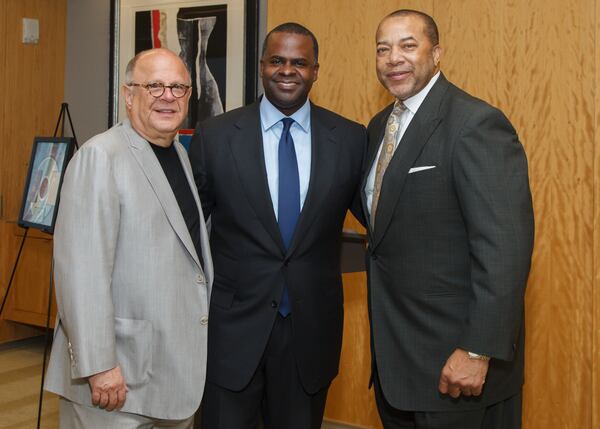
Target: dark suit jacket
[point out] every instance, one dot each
(250, 262)
(451, 250)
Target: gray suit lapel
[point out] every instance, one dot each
(147, 161)
(204, 239)
(410, 147)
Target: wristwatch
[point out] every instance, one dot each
(478, 357)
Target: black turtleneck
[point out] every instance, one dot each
(171, 165)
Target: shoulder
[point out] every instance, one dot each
(96, 160)
(232, 125)
(108, 148)
(336, 120)
(229, 119)
(109, 142)
(472, 110)
(480, 129)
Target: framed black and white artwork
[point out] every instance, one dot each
(217, 40)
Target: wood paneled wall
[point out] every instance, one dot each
(595, 121)
(31, 82)
(539, 62)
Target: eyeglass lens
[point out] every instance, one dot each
(158, 89)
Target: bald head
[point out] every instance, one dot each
(156, 118)
(149, 54)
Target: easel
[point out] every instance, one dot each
(64, 113)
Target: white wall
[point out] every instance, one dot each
(87, 66)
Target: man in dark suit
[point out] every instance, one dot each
(276, 178)
(447, 198)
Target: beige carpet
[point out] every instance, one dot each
(20, 376)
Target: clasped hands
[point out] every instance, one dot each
(463, 376)
(109, 390)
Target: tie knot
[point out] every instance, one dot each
(287, 123)
(399, 107)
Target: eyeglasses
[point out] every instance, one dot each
(157, 89)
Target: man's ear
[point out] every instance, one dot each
(127, 92)
(437, 55)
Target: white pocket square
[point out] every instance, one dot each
(425, 167)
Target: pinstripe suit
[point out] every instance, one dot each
(450, 251)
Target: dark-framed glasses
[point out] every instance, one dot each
(157, 89)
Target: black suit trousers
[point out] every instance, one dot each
(275, 389)
(505, 414)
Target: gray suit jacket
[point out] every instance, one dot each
(129, 285)
(450, 252)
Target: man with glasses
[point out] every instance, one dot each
(133, 268)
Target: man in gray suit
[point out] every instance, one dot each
(133, 269)
(450, 232)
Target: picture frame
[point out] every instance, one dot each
(217, 39)
(41, 196)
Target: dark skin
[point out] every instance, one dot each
(288, 70)
(406, 61)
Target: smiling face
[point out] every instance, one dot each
(288, 70)
(406, 58)
(157, 119)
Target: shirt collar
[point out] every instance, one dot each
(413, 103)
(270, 115)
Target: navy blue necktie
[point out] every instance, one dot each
(289, 197)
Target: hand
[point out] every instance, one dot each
(109, 390)
(462, 375)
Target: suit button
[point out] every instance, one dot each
(373, 256)
(204, 320)
(274, 304)
(200, 279)
(286, 263)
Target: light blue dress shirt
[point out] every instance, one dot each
(271, 127)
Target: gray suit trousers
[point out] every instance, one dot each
(76, 416)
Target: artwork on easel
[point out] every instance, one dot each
(49, 158)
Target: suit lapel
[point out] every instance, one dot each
(248, 153)
(204, 239)
(410, 147)
(323, 166)
(146, 159)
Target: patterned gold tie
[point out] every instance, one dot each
(393, 127)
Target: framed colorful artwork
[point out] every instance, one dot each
(49, 158)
